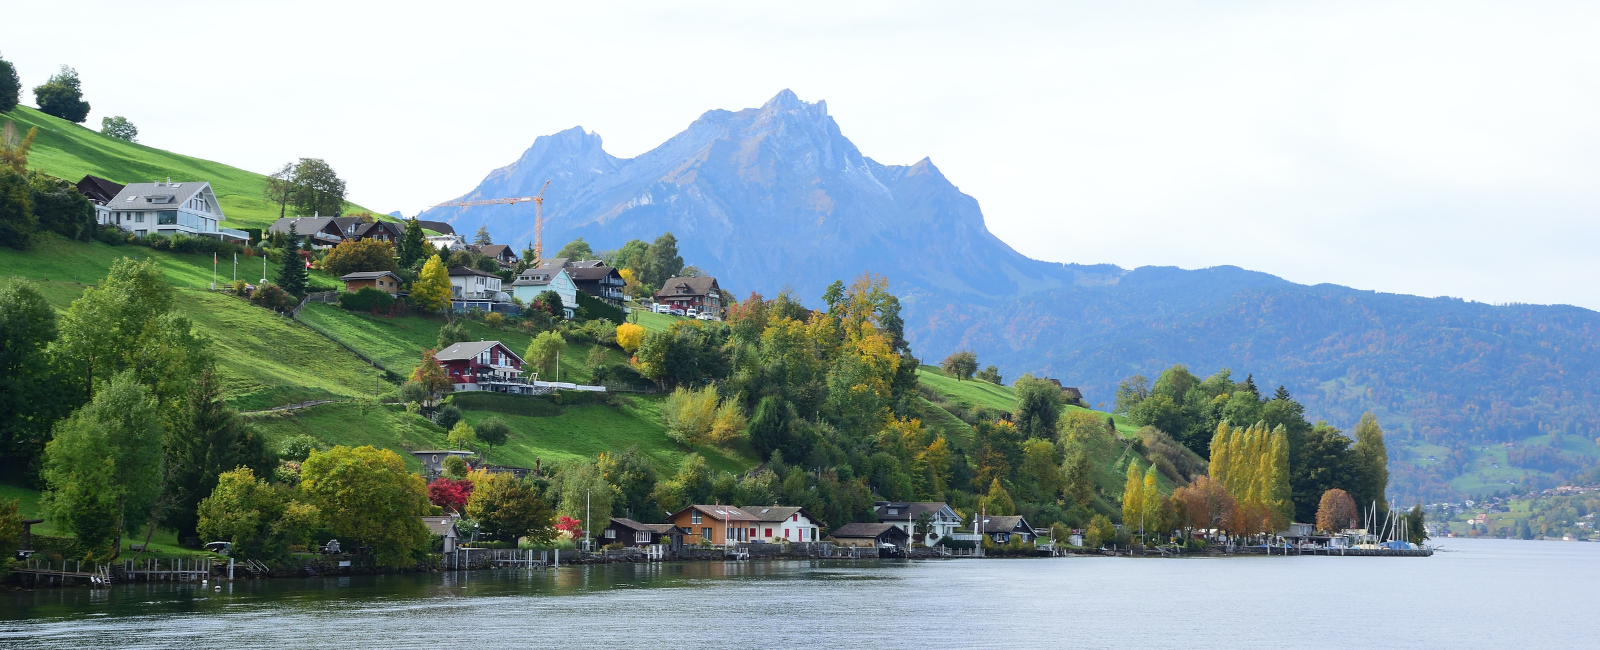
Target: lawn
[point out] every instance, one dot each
(386, 427)
(264, 359)
(653, 321)
(969, 393)
(66, 150)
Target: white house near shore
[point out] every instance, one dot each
(903, 515)
(786, 523)
(190, 208)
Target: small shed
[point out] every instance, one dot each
(385, 281)
(872, 535)
(627, 532)
(443, 526)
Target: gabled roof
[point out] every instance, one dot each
(348, 225)
(99, 189)
(467, 270)
(776, 513)
(907, 510)
(307, 225)
(537, 277)
(370, 229)
(1004, 524)
(590, 270)
(438, 227)
(161, 196)
(634, 525)
(701, 286)
(867, 531)
(441, 525)
(367, 275)
(470, 350)
(495, 250)
(720, 513)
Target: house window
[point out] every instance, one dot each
(642, 537)
(769, 532)
(894, 511)
(786, 533)
(694, 517)
(138, 217)
(167, 218)
(705, 533)
(611, 533)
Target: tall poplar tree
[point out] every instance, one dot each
(1372, 464)
(1133, 495)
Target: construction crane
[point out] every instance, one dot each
(538, 214)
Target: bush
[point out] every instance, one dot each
(112, 236)
(494, 319)
(351, 256)
(596, 308)
(448, 416)
(367, 299)
(298, 448)
(241, 288)
(272, 296)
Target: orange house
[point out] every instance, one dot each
(384, 281)
(715, 524)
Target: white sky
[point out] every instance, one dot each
(1435, 148)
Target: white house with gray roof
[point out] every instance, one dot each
(190, 208)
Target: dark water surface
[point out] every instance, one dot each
(1476, 594)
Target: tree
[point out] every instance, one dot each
(1206, 503)
(10, 87)
(770, 425)
(126, 323)
(690, 414)
(292, 271)
(431, 376)
(411, 244)
(1130, 392)
(1372, 464)
(461, 435)
(14, 149)
(629, 336)
(577, 249)
(482, 237)
(998, 502)
(544, 351)
(208, 440)
(960, 365)
(1078, 477)
(453, 332)
(279, 188)
(59, 207)
(508, 509)
(634, 476)
(354, 255)
(1133, 496)
(120, 128)
(493, 431)
(730, 422)
(1322, 461)
(431, 291)
(103, 466)
(450, 494)
(631, 255)
(1038, 407)
(447, 417)
(1414, 525)
(1337, 511)
(17, 221)
(27, 383)
(260, 519)
(367, 495)
(662, 261)
(585, 494)
(1099, 531)
(991, 374)
(316, 188)
(62, 96)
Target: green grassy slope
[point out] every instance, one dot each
(585, 430)
(264, 359)
(66, 150)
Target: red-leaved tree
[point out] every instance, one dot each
(572, 527)
(449, 493)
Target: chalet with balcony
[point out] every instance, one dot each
(473, 289)
(483, 365)
(384, 231)
(943, 520)
(716, 524)
(597, 279)
(187, 208)
(701, 294)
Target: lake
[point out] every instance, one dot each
(1474, 593)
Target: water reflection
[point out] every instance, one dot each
(1540, 594)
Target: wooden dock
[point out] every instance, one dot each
(44, 573)
(173, 570)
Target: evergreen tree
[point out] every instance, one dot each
(27, 384)
(411, 244)
(1372, 464)
(210, 440)
(292, 272)
(482, 238)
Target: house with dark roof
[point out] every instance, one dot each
(700, 293)
(627, 532)
(942, 519)
(500, 252)
(1069, 393)
(99, 191)
(869, 535)
(1001, 528)
(776, 523)
(384, 231)
(323, 231)
(598, 279)
(443, 527)
(483, 365)
(437, 226)
(715, 524)
(188, 208)
(385, 281)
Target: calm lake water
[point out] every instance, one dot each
(1477, 593)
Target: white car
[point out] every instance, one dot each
(661, 308)
(706, 315)
(691, 313)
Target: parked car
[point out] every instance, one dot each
(677, 312)
(661, 308)
(220, 548)
(706, 315)
(691, 312)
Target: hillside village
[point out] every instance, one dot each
(275, 387)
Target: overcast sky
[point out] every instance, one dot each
(1435, 148)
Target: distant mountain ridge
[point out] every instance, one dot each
(776, 196)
